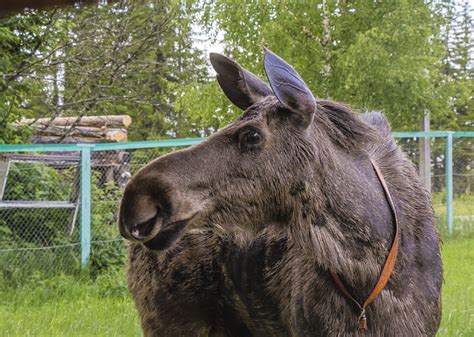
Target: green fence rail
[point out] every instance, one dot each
(86, 151)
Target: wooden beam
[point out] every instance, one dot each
(93, 121)
(66, 140)
(111, 135)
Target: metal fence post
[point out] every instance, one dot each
(85, 204)
(449, 182)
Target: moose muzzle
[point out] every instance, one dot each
(157, 204)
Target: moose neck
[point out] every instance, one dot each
(347, 209)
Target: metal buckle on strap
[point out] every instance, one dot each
(362, 321)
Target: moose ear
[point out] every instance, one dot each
(239, 85)
(289, 88)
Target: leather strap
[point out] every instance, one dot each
(389, 262)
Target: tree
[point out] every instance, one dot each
(25, 41)
(131, 57)
(142, 58)
(457, 81)
(372, 55)
(457, 62)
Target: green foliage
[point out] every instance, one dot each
(376, 56)
(214, 110)
(107, 245)
(142, 58)
(38, 182)
(128, 57)
(135, 60)
(457, 36)
(390, 64)
(23, 40)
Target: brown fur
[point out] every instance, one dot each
(253, 259)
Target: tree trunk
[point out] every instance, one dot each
(326, 40)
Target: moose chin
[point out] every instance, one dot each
(300, 218)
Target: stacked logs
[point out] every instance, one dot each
(84, 129)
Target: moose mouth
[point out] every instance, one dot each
(167, 235)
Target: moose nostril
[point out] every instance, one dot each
(142, 230)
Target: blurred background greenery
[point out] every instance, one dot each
(149, 59)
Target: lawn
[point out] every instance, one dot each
(78, 306)
(69, 306)
(458, 288)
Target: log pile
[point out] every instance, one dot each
(85, 129)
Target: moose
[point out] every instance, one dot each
(283, 223)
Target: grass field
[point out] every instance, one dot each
(458, 288)
(72, 306)
(69, 306)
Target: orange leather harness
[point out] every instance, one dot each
(389, 262)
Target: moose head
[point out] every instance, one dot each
(262, 170)
(271, 206)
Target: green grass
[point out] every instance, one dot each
(458, 288)
(69, 306)
(79, 306)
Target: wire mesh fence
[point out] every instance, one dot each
(40, 201)
(462, 179)
(38, 208)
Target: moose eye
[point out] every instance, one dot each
(250, 139)
(253, 137)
